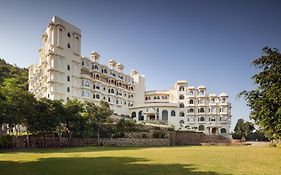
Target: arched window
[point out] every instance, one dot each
(173, 113)
(97, 96)
(68, 89)
(181, 97)
(181, 121)
(68, 67)
(83, 63)
(181, 88)
(60, 37)
(165, 115)
(85, 93)
(141, 116)
(190, 101)
(223, 130)
(68, 78)
(181, 114)
(191, 110)
(133, 115)
(201, 119)
(201, 110)
(68, 45)
(108, 99)
(201, 128)
(181, 105)
(112, 91)
(97, 76)
(86, 83)
(68, 34)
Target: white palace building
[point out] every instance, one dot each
(62, 73)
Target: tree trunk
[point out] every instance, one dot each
(17, 137)
(27, 139)
(98, 135)
(60, 138)
(46, 145)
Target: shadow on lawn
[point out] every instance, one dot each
(69, 149)
(99, 166)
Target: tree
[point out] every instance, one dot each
(242, 129)
(74, 121)
(124, 125)
(97, 115)
(18, 105)
(265, 101)
(12, 71)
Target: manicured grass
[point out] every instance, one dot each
(200, 160)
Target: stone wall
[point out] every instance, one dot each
(196, 138)
(135, 142)
(51, 142)
(132, 139)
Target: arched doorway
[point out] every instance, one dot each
(214, 130)
(223, 130)
(201, 128)
(151, 117)
(141, 116)
(134, 115)
(164, 115)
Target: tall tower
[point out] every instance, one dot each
(59, 66)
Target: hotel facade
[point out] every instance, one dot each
(62, 73)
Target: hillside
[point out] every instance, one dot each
(12, 71)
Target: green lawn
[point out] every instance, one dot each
(200, 160)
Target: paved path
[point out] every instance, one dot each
(259, 144)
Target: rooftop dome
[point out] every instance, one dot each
(201, 87)
(212, 95)
(223, 94)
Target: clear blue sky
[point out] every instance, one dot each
(204, 42)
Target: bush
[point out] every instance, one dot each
(6, 141)
(171, 129)
(236, 136)
(158, 134)
(119, 135)
(144, 135)
(272, 145)
(157, 128)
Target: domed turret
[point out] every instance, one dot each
(120, 67)
(133, 72)
(95, 56)
(112, 64)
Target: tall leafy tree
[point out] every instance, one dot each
(18, 105)
(98, 115)
(74, 121)
(242, 128)
(265, 101)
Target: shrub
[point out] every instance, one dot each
(158, 134)
(144, 135)
(157, 128)
(236, 136)
(171, 129)
(6, 141)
